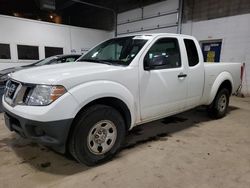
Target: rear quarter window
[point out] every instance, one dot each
(192, 53)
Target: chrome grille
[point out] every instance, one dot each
(10, 89)
(14, 92)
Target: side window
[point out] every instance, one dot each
(62, 60)
(193, 58)
(71, 59)
(65, 60)
(166, 49)
(4, 51)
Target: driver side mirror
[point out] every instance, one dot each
(155, 62)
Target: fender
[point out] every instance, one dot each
(90, 91)
(217, 83)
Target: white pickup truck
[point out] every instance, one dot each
(87, 107)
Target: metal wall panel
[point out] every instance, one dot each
(152, 18)
(198, 10)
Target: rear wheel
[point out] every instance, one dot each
(218, 108)
(98, 135)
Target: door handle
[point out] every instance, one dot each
(181, 75)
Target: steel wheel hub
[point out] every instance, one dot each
(102, 137)
(222, 103)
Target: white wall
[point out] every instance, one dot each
(235, 34)
(134, 20)
(15, 31)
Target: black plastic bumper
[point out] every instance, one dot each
(53, 134)
(1, 95)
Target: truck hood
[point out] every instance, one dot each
(12, 69)
(66, 74)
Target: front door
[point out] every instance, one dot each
(163, 89)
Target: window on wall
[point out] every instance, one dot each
(4, 51)
(50, 51)
(26, 52)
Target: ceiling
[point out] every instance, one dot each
(70, 12)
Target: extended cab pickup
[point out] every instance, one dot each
(87, 107)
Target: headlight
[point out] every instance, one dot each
(43, 95)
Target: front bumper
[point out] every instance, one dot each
(1, 94)
(52, 133)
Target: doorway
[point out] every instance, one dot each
(211, 50)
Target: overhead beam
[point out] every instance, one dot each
(65, 5)
(180, 10)
(93, 5)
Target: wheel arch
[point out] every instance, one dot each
(224, 80)
(113, 102)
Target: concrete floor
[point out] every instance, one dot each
(187, 150)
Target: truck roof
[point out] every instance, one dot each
(155, 35)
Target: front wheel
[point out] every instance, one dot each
(98, 135)
(218, 108)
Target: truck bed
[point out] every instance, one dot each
(213, 72)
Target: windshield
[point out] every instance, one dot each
(119, 51)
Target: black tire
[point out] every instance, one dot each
(79, 146)
(215, 109)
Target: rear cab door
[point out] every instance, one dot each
(195, 71)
